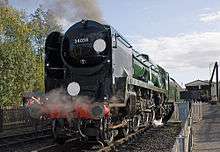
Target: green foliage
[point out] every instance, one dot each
(42, 23)
(17, 62)
(21, 53)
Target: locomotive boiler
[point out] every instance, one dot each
(110, 84)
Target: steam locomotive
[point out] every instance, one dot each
(110, 84)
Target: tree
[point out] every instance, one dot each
(17, 60)
(22, 41)
(42, 23)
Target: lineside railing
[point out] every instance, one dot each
(12, 118)
(197, 111)
(186, 112)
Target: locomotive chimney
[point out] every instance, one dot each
(85, 23)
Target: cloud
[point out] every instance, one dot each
(210, 17)
(183, 52)
(186, 57)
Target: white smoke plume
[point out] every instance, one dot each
(3, 3)
(68, 12)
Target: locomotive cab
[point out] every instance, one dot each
(54, 66)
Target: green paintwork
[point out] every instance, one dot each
(141, 72)
(159, 77)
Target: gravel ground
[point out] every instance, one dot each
(154, 140)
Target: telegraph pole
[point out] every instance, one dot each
(215, 71)
(217, 89)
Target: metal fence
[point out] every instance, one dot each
(187, 113)
(197, 111)
(14, 117)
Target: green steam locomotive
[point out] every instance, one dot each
(124, 89)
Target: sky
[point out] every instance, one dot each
(181, 36)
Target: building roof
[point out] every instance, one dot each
(197, 83)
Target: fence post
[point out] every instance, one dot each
(201, 112)
(1, 119)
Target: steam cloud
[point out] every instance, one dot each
(66, 12)
(57, 100)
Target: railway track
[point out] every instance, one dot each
(8, 143)
(169, 131)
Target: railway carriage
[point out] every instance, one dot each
(115, 83)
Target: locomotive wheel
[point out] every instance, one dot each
(57, 127)
(159, 112)
(108, 135)
(145, 119)
(124, 131)
(151, 116)
(136, 122)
